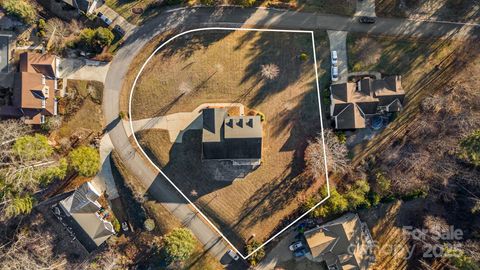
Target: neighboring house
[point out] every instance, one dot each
(353, 103)
(344, 243)
(35, 86)
(87, 6)
(235, 138)
(85, 216)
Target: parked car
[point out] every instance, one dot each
(125, 226)
(366, 19)
(295, 245)
(104, 18)
(334, 74)
(334, 58)
(119, 30)
(300, 252)
(233, 255)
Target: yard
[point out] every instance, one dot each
(137, 12)
(81, 110)
(225, 67)
(449, 10)
(423, 64)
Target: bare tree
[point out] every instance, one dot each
(334, 152)
(12, 129)
(270, 71)
(30, 251)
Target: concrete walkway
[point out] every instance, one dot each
(338, 42)
(178, 123)
(104, 179)
(365, 8)
(81, 69)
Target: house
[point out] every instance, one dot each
(86, 217)
(235, 138)
(344, 243)
(86, 6)
(35, 86)
(353, 103)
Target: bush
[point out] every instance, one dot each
(52, 173)
(247, 3)
(85, 160)
(32, 147)
(94, 40)
(470, 148)
(41, 28)
(258, 255)
(116, 225)
(262, 116)
(20, 9)
(207, 2)
(303, 56)
(121, 115)
(383, 184)
(342, 138)
(149, 224)
(19, 205)
(179, 244)
(334, 205)
(357, 195)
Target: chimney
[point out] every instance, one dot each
(43, 80)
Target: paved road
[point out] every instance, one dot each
(179, 19)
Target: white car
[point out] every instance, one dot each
(104, 18)
(295, 246)
(233, 255)
(334, 58)
(334, 74)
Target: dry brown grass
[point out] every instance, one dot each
(225, 67)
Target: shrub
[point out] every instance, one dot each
(258, 255)
(19, 205)
(262, 116)
(149, 224)
(116, 225)
(85, 160)
(121, 115)
(247, 3)
(94, 40)
(20, 9)
(179, 244)
(357, 195)
(383, 184)
(303, 56)
(207, 2)
(41, 28)
(342, 138)
(52, 173)
(470, 148)
(32, 147)
(334, 205)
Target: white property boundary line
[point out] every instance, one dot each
(170, 181)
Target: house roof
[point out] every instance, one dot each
(351, 102)
(80, 4)
(36, 82)
(226, 137)
(332, 242)
(83, 207)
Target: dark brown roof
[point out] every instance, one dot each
(352, 101)
(35, 82)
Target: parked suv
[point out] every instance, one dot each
(334, 58)
(104, 18)
(334, 74)
(366, 19)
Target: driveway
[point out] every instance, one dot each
(185, 18)
(338, 42)
(81, 69)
